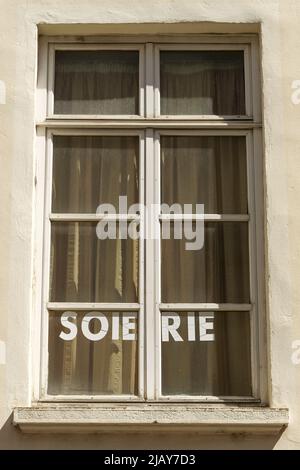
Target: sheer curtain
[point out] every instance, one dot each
(212, 171)
(202, 82)
(205, 170)
(218, 368)
(96, 82)
(87, 171)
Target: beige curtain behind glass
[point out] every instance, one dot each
(209, 170)
(88, 171)
(96, 82)
(202, 82)
(221, 367)
(205, 170)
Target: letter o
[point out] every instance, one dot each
(85, 326)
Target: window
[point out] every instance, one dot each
(136, 315)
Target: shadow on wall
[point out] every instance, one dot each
(12, 438)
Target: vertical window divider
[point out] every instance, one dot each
(46, 261)
(157, 260)
(149, 81)
(141, 286)
(51, 78)
(248, 81)
(150, 357)
(252, 266)
(261, 327)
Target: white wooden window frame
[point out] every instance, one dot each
(252, 307)
(206, 47)
(91, 306)
(94, 47)
(149, 125)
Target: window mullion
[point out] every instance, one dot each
(151, 268)
(149, 74)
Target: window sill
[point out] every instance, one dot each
(96, 418)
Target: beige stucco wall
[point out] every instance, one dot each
(280, 40)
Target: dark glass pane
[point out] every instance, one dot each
(220, 366)
(103, 366)
(87, 269)
(93, 170)
(219, 272)
(96, 82)
(205, 170)
(202, 82)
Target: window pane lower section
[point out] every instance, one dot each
(206, 354)
(85, 268)
(93, 170)
(202, 82)
(100, 359)
(218, 272)
(205, 170)
(96, 82)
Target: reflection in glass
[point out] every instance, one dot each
(221, 367)
(80, 366)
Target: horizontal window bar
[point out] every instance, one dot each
(93, 306)
(227, 42)
(92, 398)
(205, 307)
(162, 217)
(210, 217)
(199, 398)
(92, 217)
(90, 117)
(135, 398)
(143, 123)
(161, 117)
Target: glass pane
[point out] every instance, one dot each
(96, 82)
(93, 170)
(219, 272)
(205, 170)
(206, 354)
(202, 82)
(85, 268)
(98, 357)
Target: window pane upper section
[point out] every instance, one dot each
(93, 170)
(202, 83)
(205, 170)
(96, 82)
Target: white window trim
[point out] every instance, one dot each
(49, 124)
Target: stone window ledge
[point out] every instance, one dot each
(98, 418)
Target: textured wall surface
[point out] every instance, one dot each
(278, 22)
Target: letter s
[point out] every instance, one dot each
(66, 323)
